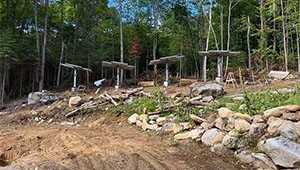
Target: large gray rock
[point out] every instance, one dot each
(207, 88)
(244, 156)
(283, 152)
(41, 97)
(196, 133)
(262, 161)
(288, 130)
(230, 141)
(257, 129)
(212, 136)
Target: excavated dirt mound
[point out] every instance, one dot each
(107, 143)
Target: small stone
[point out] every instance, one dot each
(246, 117)
(242, 125)
(287, 129)
(230, 124)
(75, 101)
(258, 119)
(171, 127)
(234, 133)
(153, 117)
(275, 112)
(245, 156)
(262, 161)
(230, 104)
(161, 120)
(152, 127)
(206, 125)
(274, 124)
(257, 129)
(143, 118)
(221, 123)
(212, 136)
(196, 133)
(133, 118)
(207, 99)
(242, 107)
(212, 117)
(33, 112)
(139, 123)
(50, 121)
(225, 113)
(185, 125)
(37, 119)
(180, 136)
(151, 122)
(197, 119)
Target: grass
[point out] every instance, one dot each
(257, 103)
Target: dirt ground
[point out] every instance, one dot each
(102, 142)
(106, 143)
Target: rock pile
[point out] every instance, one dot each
(268, 141)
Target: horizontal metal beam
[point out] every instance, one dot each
(164, 60)
(215, 53)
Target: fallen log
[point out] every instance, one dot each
(111, 99)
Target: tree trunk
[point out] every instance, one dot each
(41, 83)
(298, 44)
(248, 44)
(274, 26)
(60, 61)
(121, 38)
(284, 37)
(228, 33)
(207, 42)
(155, 39)
(3, 82)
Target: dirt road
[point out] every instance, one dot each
(103, 144)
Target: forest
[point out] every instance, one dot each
(35, 36)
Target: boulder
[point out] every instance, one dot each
(225, 112)
(230, 142)
(161, 120)
(287, 130)
(133, 118)
(242, 125)
(185, 125)
(143, 118)
(146, 126)
(41, 97)
(75, 101)
(257, 129)
(246, 117)
(262, 161)
(196, 133)
(170, 127)
(292, 108)
(297, 127)
(206, 88)
(180, 136)
(245, 156)
(275, 112)
(212, 136)
(283, 152)
(220, 149)
(274, 124)
(291, 116)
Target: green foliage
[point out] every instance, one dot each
(138, 105)
(257, 103)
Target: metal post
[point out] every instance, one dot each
(219, 78)
(74, 81)
(166, 83)
(118, 78)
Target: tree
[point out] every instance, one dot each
(135, 52)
